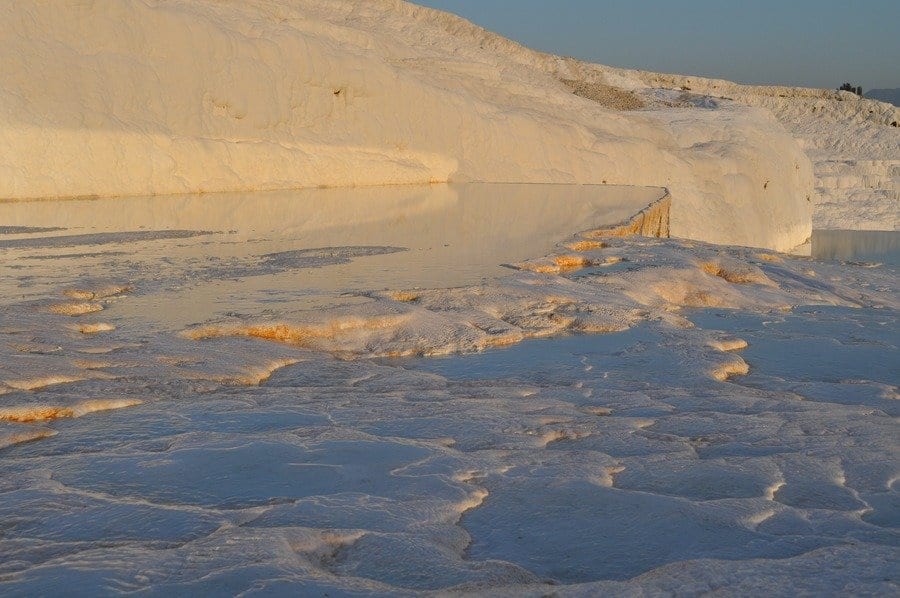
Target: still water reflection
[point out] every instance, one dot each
(851, 245)
(193, 257)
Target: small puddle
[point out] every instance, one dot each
(534, 360)
(859, 246)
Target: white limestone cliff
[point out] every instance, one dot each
(136, 97)
(853, 142)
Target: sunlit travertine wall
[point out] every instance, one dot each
(130, 98)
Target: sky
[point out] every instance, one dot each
(814, 43)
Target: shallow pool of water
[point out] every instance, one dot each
(857, 245)
(301, 249)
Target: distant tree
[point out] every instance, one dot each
(852, 89)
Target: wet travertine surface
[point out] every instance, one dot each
(190, 407)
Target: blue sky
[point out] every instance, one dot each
(793, 42)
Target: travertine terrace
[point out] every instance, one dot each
(243, 352)
(201, 96)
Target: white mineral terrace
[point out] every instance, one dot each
(223, 394)
(523, 328)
